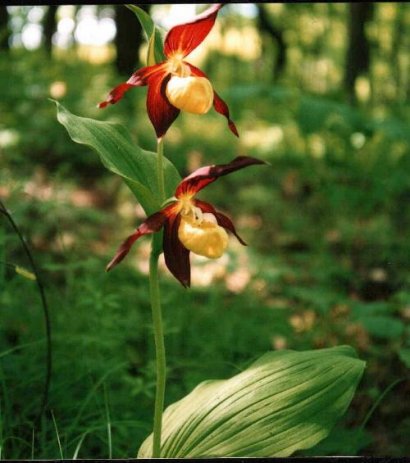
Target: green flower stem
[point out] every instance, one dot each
(159, 350)
(157, 316)
(160, 168)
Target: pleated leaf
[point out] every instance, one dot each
(286, 401)
(122, 156)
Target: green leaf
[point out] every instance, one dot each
(360, 309)
(153, 34)
(151, 51)
(404, 355)
(342, 441)
(320, 298)
(382, 326)
(286, 401)
(122, 156)
(144, 18)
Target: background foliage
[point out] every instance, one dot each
(327, 224)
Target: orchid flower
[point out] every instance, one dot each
(189, 224)
(174, 84)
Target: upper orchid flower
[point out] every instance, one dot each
(189, 224)
(174, 84)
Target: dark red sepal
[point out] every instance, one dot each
(222, 108)
(208, 174)
(176, 255)
(152, 224)
(219, 104)
(160, 111)
(115, 95)
(138, 79)
(184, 38)
(225, 222)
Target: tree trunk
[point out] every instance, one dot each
(49, 28)
(277, 36)
(399, 33)
(128, 39)
(4, 29)
(358, 51)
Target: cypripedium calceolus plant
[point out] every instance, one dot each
(189, 223)
(219, 418)
(176, 85)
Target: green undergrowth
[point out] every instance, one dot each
(326, 262)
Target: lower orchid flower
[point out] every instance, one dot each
(174, 84)
(189, 223)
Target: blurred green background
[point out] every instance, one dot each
(319, 90)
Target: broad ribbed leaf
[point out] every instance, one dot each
(153, 34)
(286, 401)
(123, 157)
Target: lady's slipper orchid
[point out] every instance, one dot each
(174, 84)
(189, 224)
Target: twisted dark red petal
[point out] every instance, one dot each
(208, 174)
(176, 255)
(225, 222)
(152, 224)
(160, 111)
(222, 108)
(141, 77)
(115, 95)
(184, 38)
(138, 79)
(222, 219)
(219, 104)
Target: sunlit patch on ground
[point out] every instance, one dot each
(264, 139)
(405, 312)
(8, 138)
(240, 275)
(205, 271)
(279, 342)
(359, 335)
(253, 222)
(58, 89)
(303, 321)
(39, 186)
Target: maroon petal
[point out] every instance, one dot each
(184, 38)
(160, 111)
(204, 206)
(225, 222)
(138, 79)
(219, 104)
(208, 174)
(222, 108)
(115, 95)
(222, 219)
(176, 255)
(152, 224)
